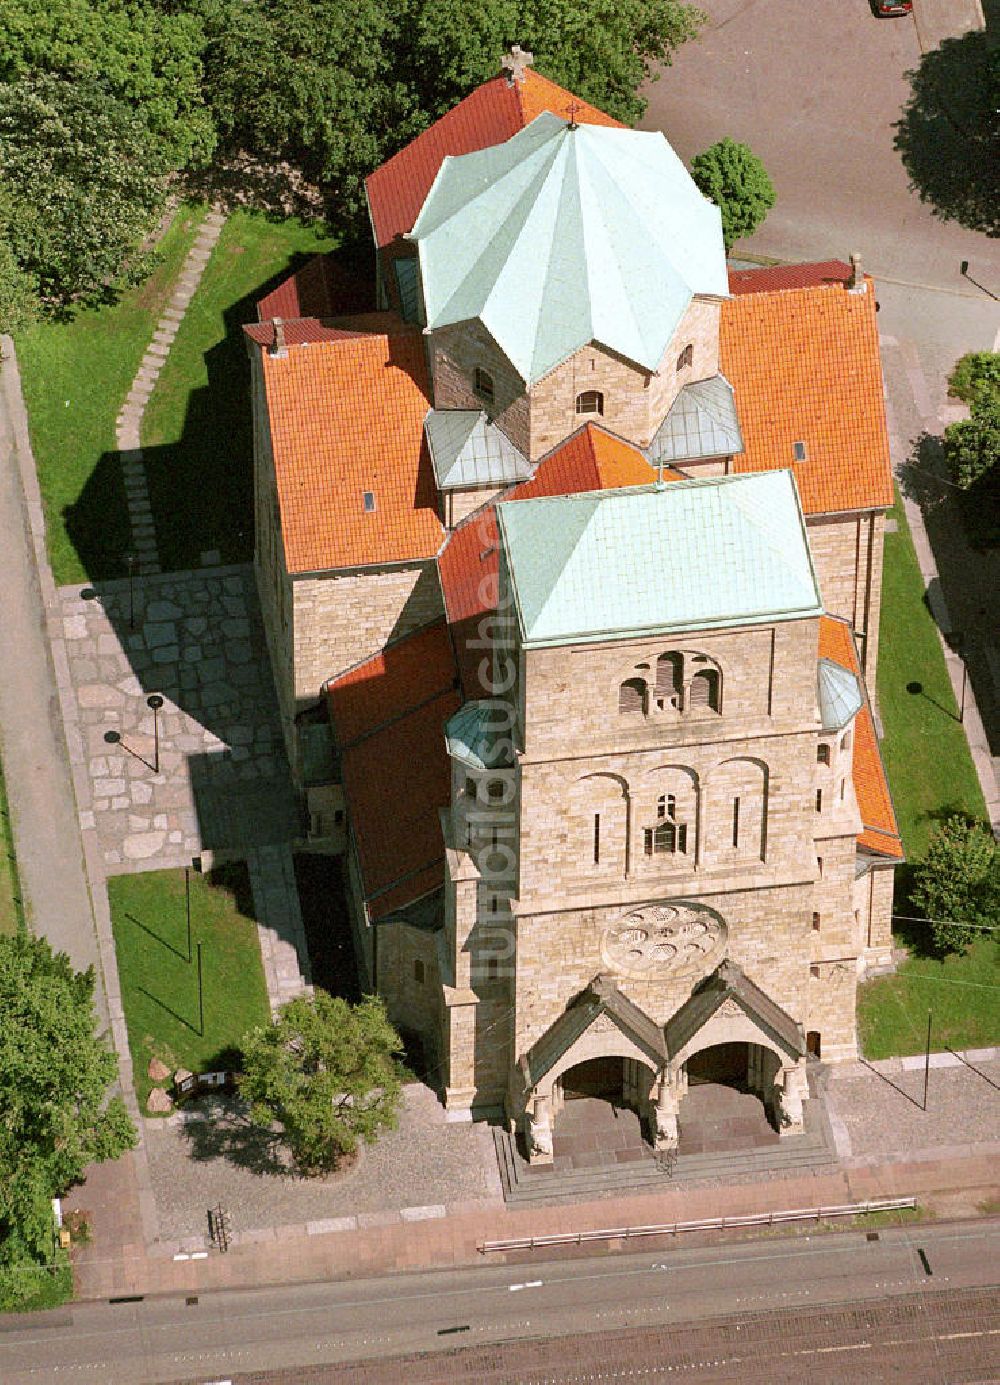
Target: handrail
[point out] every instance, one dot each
(626, 1233)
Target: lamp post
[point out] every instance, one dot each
(155, 701)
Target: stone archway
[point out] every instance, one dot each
(602, 1109)
(727, 1098)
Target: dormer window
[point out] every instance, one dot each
(483, 385)
(686, 357)
(368, 502)
(590, 402)
(799, 451)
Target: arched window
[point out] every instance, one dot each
(632, 696)
(590, 402)
(823, 754)
(705, 689)
(686, 357)
(668, 837)
(483, 384)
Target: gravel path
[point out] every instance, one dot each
(883, 1114)
(208, 1155)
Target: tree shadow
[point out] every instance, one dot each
(923, 475)
(947, 133)
(219, 1127)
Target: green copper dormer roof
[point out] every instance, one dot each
(565, 235)
(690, 555)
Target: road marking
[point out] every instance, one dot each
(529, 1284)
(199, 1255)
(182, 1256)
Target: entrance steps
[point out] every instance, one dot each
(524, 1185)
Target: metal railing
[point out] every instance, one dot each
(634, 1233)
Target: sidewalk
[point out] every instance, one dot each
(937, 20)
(946, 1184)
(39, 784)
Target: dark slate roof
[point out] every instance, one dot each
(730, 980)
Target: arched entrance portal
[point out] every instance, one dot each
(600, 1105)
(728, 1100)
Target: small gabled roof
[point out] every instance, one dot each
(602, 997)
(702, 422)
(730, 981)
(568, 234)
(693, 555)
(468, 450)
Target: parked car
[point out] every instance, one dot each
(885, 9)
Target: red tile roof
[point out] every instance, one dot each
(389, 715)
(871, 787)
(489, 115)
(324, 287)
(804, 364)
(590, 460)
(403, 676)
(770, 278)
(347, 416)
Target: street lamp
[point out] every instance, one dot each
(155, 701)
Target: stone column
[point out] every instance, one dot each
(665, 1132)
(539, 1130)
(790, 1092)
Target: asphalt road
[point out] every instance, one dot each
(266, 1330)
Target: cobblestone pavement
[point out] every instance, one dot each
(207, 1154)
(883, 1112)
(209, 771)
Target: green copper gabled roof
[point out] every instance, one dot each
(687, 555)
(702, 422)
(468, 450)
(565, 235)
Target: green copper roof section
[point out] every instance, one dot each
(478, 736)
(564, 235)
(702, 422)
(687, 555)
(468, 450)
(838, 693)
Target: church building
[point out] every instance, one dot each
(569, 549)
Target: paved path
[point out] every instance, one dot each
(130, 419)
(39, 785)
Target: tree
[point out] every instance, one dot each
(957, 886)
(325, 1071)
(736, 181)
(974, 371)
(146, 56)
(972, 446)
(601, 50)
(82, 180)
(55, 1072)
(18, 303)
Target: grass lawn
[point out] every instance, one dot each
(197, 433)
(11, 912)
(931, 775)
(76, 376)
(926, 753)
(160, 986)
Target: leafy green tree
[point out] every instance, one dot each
(601, 50)
(147, 56)
(310, 82)
(18, 303)
(972, 446)
(82, 180)
(957, 885)
(56, 1118)
(732, 176)
(974, 371)
(325, 1071)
